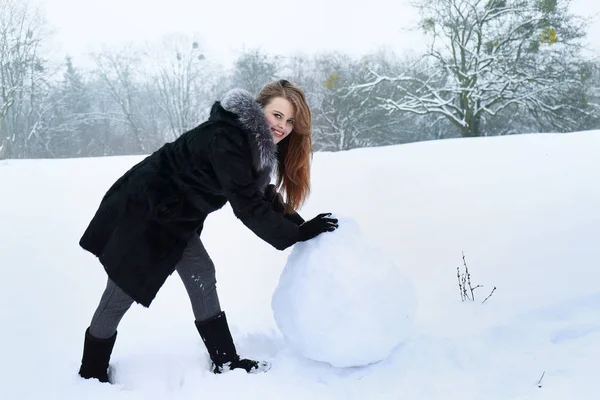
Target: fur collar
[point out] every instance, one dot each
(252, 118)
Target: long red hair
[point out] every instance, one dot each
(295, 151)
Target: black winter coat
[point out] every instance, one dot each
(146, 218)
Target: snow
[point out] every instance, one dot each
(523, 209)
(342, 301)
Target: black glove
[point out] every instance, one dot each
(319, 224)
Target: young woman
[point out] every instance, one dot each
(148, 223)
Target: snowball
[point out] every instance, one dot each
(342, 301)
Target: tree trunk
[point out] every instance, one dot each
(472, 127)
(5, 149)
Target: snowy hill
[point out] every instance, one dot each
(525, 210)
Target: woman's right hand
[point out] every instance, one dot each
(319, 224)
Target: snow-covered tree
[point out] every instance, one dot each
(591, 96)
(71, 126)
(253, 69)
(341, 117)
(23, 77)
(346, 118)
(181, 81)
(488, 56)
(122, 82)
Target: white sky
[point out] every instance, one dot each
(227, 26)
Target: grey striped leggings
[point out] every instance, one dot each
(197, 272)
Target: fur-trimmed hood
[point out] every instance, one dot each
(251, 118)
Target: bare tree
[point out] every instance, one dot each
(119, 71)
(23, 77)
(180, 83)
(253, 69)
(339, 115)
(486, 56)
(346, 118)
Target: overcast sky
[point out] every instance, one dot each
(227, 26)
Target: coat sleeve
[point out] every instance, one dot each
(230, 157)
(295, 218)
(274, 198)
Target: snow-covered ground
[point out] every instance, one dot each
(525, 210)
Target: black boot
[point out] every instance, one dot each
(219, 343)
(96, 354)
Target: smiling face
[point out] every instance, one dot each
(280, 117)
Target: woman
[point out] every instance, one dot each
(148, 223)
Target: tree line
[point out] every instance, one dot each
(491, 67)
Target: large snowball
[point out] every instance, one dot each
(342, 301)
